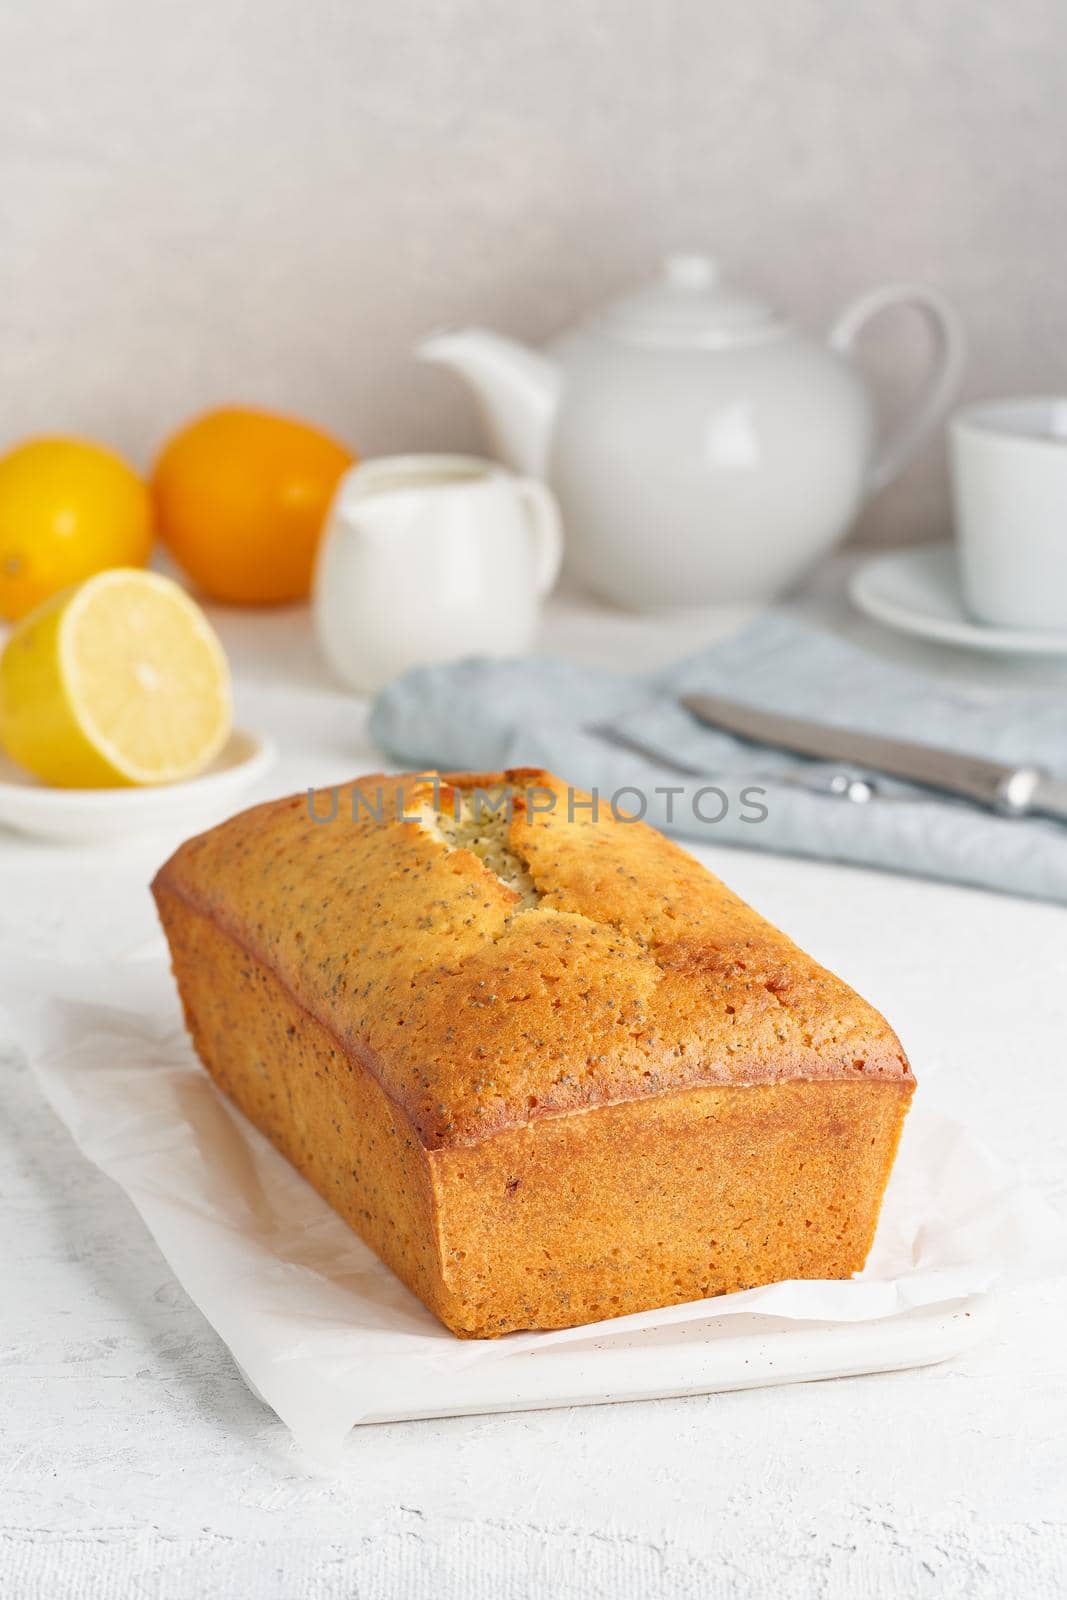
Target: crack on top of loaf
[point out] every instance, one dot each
(480, 822)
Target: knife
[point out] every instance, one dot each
(1014, 791)
(840, 785)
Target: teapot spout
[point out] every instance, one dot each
(516, 390)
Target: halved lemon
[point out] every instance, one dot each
(120, 680)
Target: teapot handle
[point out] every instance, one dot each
(543, 516)
(941, 386)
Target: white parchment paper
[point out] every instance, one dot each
(318, 1325)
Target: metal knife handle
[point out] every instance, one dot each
(991, 783)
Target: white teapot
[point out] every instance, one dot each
(702, 450)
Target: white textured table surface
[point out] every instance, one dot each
(133, 1460)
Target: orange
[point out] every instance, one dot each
(68, 509)
(240, 499)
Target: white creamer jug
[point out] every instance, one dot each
(429, 558)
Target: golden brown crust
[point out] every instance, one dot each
(306, 1095)
(657, 1202)
(639, 972)
(621, 1090)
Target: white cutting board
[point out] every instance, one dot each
(330, 1337)
(736, 1352)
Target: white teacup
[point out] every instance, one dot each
(428, 558)
(1009, 479)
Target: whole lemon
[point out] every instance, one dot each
(240, 499)
(68, 509)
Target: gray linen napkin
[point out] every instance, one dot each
(484, 715)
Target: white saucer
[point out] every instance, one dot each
(99, 816)
(918, 591)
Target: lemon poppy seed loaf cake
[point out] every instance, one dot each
(541, 1060)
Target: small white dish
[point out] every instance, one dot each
(918, 591)
(103, 816)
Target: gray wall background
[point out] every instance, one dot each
(270, 200)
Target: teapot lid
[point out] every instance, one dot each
(687, 304)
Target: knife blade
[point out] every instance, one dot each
(841, 785)
(1014, 791)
